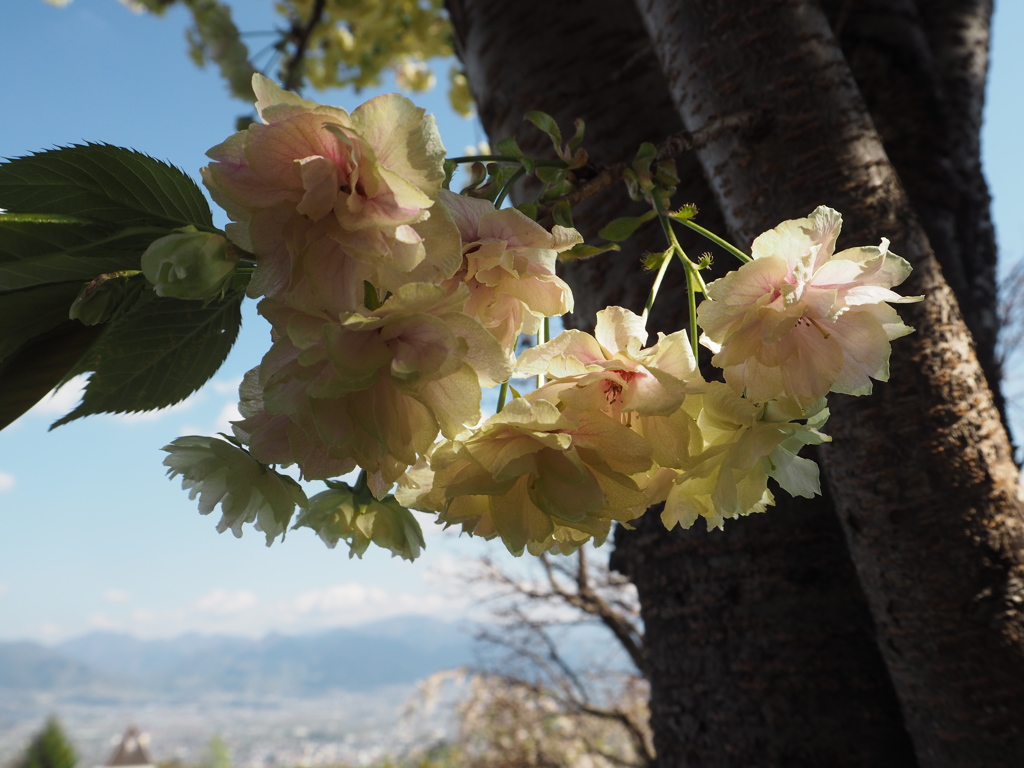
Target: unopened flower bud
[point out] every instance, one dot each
(189, 264)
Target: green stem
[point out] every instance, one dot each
(543, 338)
(483, 159)
(714, 239)
(691, 298)
(505, 159)
(508, 187)
(665, 261)
(694, 281)
(502, 394)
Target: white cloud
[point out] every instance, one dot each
(226, 386)
(117, 596)
(4, 589)
(352, 603)
(223, 602)
(104, 622)
(6, 481)
(61, 401)
(227, 414)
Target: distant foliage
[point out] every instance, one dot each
(50, 748)
(326, 44)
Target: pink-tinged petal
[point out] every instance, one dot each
(880, 267)
(564, 238)
(483, 352)
(422, 347)
(620, 331)
(405, 140)
(865, 352)
(825, 226)
(547, 295)
(815, 362)
(838, 273)
(515, 228)
(320, 182)
(653, 393)
(231, 182)
(272, 150)
(454, 400)
(517, 520)
(752, 281)
(673, 354)
(613, 445)
(466, 212)
(873, 294)
(568, 354)
(269, 95)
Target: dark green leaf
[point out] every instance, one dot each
(577, 138)
(530, 209)
(39, 252)
(156, 355)
(509, 147)
(583, 251)
(41, 364)
(562, 214)
(621, 229)
(547, 123)
(32, 312)
(105, 183)
(685, 213)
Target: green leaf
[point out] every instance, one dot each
(36, 251)
(156, 355)
(29, 313)
(577, 138)
(41, 364)
(509, 147)
(583, 251)
(623, 228)
(547, 123)
(562, 214)
(104, 183)
(685, 213)
(529, 209)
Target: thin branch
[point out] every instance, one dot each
(293, 69)
(674, 146)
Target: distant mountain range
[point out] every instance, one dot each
(397, 651)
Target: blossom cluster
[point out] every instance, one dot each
(393, 301)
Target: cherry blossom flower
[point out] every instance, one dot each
(371, 390)
(800, 320)
(531, 471)
(345, 186)
(246, 490)
(743, 444)
(509, 267)
(611, 371)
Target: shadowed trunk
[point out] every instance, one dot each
(762, 648)
(922, 471)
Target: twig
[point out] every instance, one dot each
(293, 68)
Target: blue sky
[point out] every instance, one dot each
(93, 534)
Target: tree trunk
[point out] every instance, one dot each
(763, 648)
(922, 471)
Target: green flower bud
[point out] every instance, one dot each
(189, 264)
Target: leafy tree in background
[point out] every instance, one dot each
(49, 748)
(879, 625)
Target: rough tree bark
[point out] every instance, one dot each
(741, 624)
(922, 472)
(769, 613)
